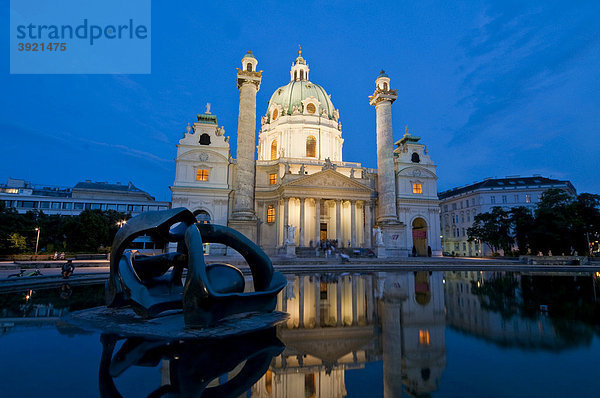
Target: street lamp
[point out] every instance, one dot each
(37, 240)
(121, 223)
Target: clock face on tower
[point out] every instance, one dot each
(310, 108)
(275, 114)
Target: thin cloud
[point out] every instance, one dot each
(515, 55)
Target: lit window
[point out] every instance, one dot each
(202, 175)
(424, 337)
(311, 147)
(274, 150)
(271, 213)
(417, 188)
(528, 198)
(273, 179)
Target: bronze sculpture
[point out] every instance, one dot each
(152, 285)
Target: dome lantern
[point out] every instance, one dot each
(299, 70)
(249, 62)
(383, 81)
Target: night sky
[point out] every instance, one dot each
(493, 88)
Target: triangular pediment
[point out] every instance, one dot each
(328, 179)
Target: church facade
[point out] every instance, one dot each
(294, 190)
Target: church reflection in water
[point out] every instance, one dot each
(341, 322)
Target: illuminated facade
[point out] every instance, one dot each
(296, 179)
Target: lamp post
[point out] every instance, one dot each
(121, 223)
(37, 240)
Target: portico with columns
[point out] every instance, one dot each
(323, 206)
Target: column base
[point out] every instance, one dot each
(244, 215)
(380, 252)
(394, 239)
(248, 228)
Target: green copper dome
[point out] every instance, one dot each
(292, 95)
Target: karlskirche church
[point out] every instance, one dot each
(294, 190)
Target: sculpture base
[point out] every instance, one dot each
(290, 250)
(125, 322)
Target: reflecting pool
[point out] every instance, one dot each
(421, 333)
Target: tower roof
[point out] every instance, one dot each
(249, 55)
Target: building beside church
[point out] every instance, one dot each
(294, 189)
(23, 196)
(460, 206)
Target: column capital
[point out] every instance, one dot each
(380, 95)
(248, 77)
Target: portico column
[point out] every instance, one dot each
(338, 221)
(338, 300)
(368, 224)
(353, 222)
(317, 220)
(277, 228)
(301, 302)
(354, 300)
(369, 293)
(301, 232)
(317, 280)
(286, 213)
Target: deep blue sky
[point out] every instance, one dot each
(493, 88)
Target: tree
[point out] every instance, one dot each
(17, 242)
(553, 226)
(586, 226)
(492, 228)
(92, 229)
(522, 222)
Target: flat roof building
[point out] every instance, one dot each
(127, 198)
(460, 205)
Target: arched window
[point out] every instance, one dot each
(249, 67)
(205, 139)
(274, 150)
(385, 86)
(202, 217)
(311, 147)
(301, 75)
(295, 75)
(415, 158)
